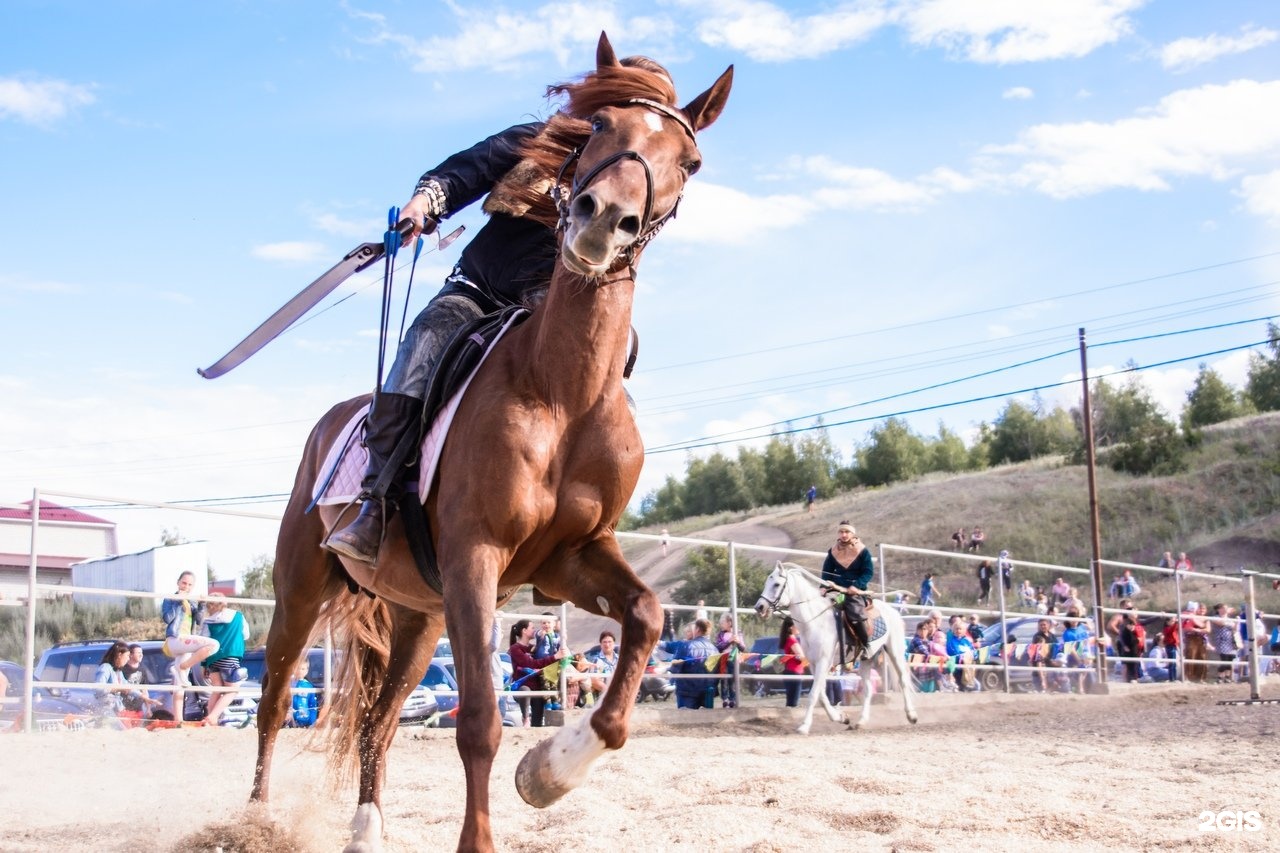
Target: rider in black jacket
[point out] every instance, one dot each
(509, 257)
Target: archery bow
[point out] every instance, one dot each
(358, 259)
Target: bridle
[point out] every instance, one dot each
(782, 588)
(648, 230)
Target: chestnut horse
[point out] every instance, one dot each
(532, 481)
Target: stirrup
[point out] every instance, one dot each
(370, 559)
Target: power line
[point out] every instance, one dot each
(940, 406)
(704, 401)
(757, 428)
(953, 317)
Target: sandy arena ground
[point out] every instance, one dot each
(1131, 771)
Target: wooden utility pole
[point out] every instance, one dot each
(1086, 412)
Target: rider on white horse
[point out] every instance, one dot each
(849, 569)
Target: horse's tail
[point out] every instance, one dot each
(361, 629)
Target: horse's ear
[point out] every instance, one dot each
(706, 108)
(605, 57)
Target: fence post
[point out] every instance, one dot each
(733, 611)
(29, 665)
(1004, 636)
(1251, 616)
(1182, 639)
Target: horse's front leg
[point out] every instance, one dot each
(304, 580)
(818, 693)
(598, 580)
(469, 604)
(413, 639)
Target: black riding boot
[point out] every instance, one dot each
(853, 613)
(394, 416)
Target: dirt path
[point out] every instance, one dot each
(662, 574)
(1131, 771)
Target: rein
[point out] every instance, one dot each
(648, 230)
(786, 579)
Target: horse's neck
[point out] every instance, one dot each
(808, 603)
(581, 333)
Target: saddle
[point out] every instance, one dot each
(458, 363)
(851, 648)
(418, 453)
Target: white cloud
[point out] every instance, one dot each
(1187, 53)
(1214, 131)
(1018, 93)
(291, 251)
(767, 33)
(715, 213)
(334, 223)
(1261, 195)
(27, 285)
(1004, 31)
(41, 102)
(861, 188)
(505, 40)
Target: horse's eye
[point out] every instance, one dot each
(693, 166)
(597, 124)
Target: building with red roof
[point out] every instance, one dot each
(63, 536)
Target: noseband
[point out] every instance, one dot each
(648, 230)
(782, 587)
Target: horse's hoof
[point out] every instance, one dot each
(912, 719)
(559, 764)
(366, 830)
(804, 730)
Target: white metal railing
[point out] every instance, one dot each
(1002, 611)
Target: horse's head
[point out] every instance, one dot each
(631, 172)
(775, 595)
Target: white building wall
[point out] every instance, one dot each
(57, 539)
(154, 570)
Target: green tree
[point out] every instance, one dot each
(1015, 436)
(258, 580)
(1211, 400)
(980, 450)
(664, 504)
(1059, 433)
(1263, 385)
(1121, 413)
(172, 537)
(706, 577)
(781, 471)
(892, 453)
(1156, 448)
(947, 452)
(714, 484)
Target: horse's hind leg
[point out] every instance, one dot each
(598, 580)
(413, 639)
(304, 579)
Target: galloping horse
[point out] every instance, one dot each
(529, 491)
(788, 587)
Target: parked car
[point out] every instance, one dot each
(45, 707)
(443, 677)
(78, 662)
(1020, 631)
(654, 684)
(752, 665)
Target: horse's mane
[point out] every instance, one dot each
(524, 191)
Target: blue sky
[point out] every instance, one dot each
(898, 195)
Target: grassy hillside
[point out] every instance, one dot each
(1223, 511)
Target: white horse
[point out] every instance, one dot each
(792, 588)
